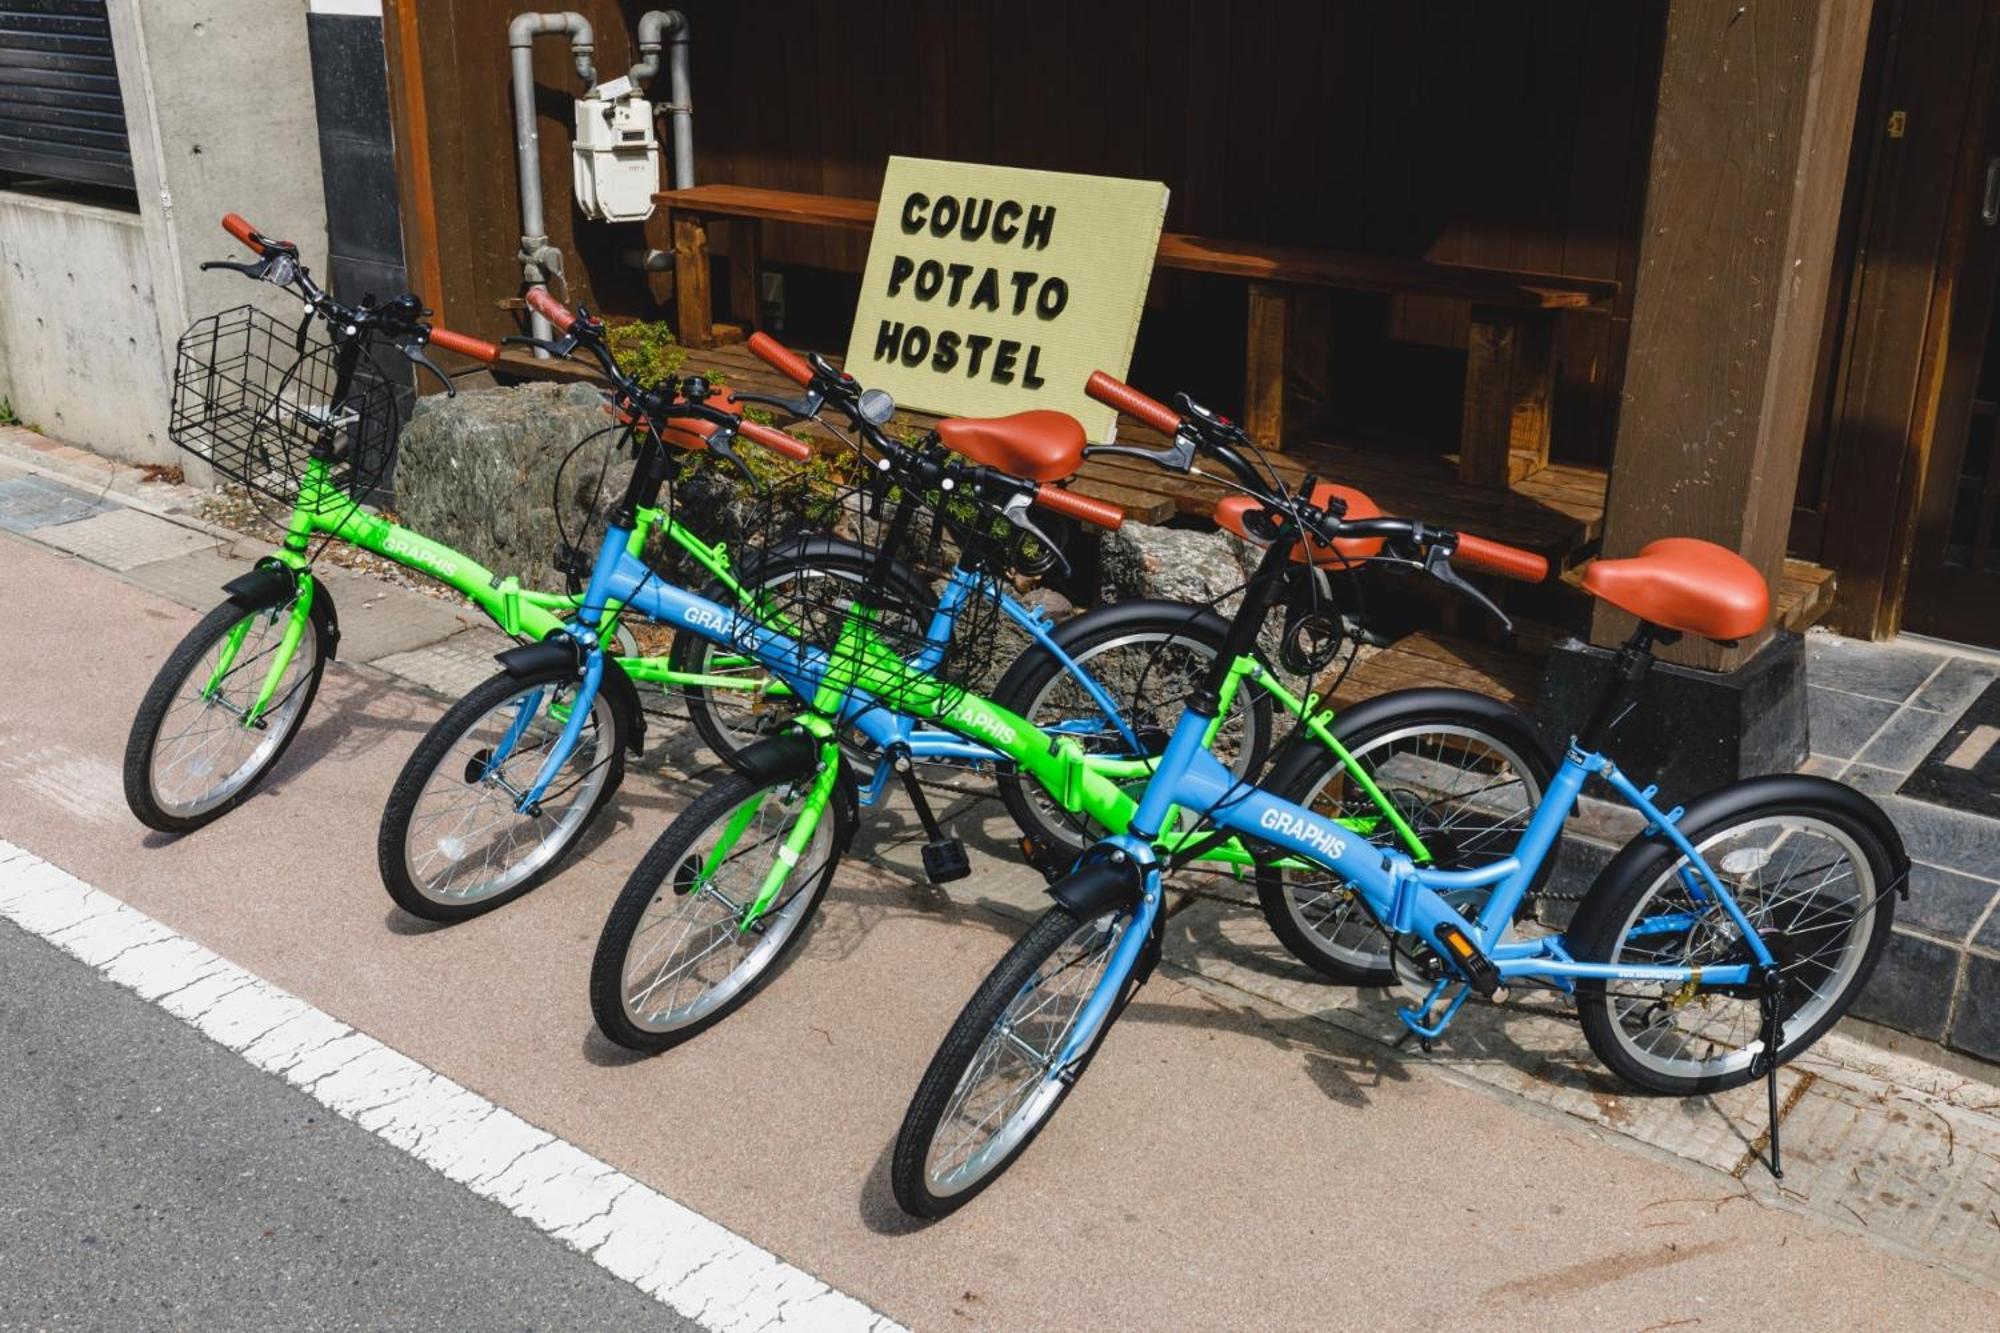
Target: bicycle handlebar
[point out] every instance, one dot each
(1116, 393)
(237, 226)
(476, 348)
(1492, 557)
(781, 359)
(554, 311)
(775, 440)
(1059, 501)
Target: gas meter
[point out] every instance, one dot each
(616, 156)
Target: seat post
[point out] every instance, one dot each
(1635, 659)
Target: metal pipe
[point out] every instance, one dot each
(670, 26)
(539, 258)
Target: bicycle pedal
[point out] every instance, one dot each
(1477, 967)
(945, 860)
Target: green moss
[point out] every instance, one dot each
(8, 417)
(646, 349)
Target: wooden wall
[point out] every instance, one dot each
(1503, 132)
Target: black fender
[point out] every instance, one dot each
(1102, 886)
(794, 756)
(1098, 620)
(1774, 789)
(561, 652)
(274, 583)
(1301, 750)
(910, 587)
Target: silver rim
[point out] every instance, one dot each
(465, 840)
(202, 753)
(1454, 781)
(688, 955)
(1012, 1083)
(1149, 681)
(1799, 879)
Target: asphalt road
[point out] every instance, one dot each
(152, 1179)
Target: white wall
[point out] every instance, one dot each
(219, 107)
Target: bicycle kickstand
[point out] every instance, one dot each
(1772, 1035)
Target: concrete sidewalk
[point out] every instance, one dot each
(1246, 1151)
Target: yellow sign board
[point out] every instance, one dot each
(994, 289)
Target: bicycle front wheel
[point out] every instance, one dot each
(676, 956)
(454, 842)
(996, 1081)
(191, 758)
(1811, 872)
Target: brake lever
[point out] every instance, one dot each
(415, 352)
(1437, 563)
(806, 405)
(722, 444)
(560, 348)
(1178, 458)
(1015, 511)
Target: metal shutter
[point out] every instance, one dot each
(60, 112)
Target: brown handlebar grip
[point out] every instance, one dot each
(776, 441)
(781, 358)
(1082, 507)
(1499, 558)
(236, 226)
(476, 348)
(554, 311)
(1118, 394)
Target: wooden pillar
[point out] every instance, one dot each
(1509, 377)
(1285, 361)
(1750, 149)
(745, 265)
(694, 305)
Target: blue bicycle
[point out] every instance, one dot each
(1721, 942)
(509, 779)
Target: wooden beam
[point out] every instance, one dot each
(409, 113)
(1509, 381)
(745, 264)
(1750, 150)
(693, 303)
(1264, 363)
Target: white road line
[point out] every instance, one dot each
(1973, 748)
(680, 1258)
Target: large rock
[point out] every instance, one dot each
(1181, 565)
(479, 472)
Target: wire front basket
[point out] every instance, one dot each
(882, 636)
(256, 398)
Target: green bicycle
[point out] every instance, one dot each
(725, 893)
(309, 419)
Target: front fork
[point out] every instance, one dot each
(296, 628)
(817, 800)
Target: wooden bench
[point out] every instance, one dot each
(1510, 362)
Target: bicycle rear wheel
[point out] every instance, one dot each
(452, 842)
(674, 959)
(190, 759)
(994, 1083)
(1812, 873)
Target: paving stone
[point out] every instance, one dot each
(1912, 986)
(1989, 934)
(1961, 681)
(1877, 670)
(1945, 902)
(1976, 1026)
(379, 620)
(452, 667)
(1874, 781)
(126, 539)
(1944, 837)
(1908, 737)
(31, 502)
(193, 580)
(1840, 724)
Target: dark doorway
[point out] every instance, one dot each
(1954, 588)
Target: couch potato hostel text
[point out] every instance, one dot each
(958, 285)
